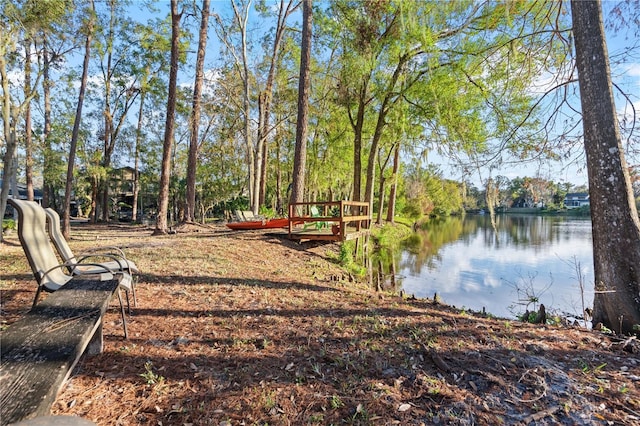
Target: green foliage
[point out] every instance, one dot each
(390, 235)
(429, 194)
(413, 208)
(580, 211)
(346, 259)
(267, 212)
(8, 224)
(150, 376)
(233, 204)
(336, 402)
(393, 59)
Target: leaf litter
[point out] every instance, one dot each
(247, 328)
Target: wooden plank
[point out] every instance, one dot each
(324, 235)
(39, 350)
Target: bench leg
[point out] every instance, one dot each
(35, 299)
(96, 345)
(134, 283)
(124, 319)
(126, 293)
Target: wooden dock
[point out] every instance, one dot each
(329, 221)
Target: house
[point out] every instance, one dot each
(22, 195)
(573, 200)
(121, 186)
(22, 192)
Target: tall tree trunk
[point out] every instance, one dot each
(28, 144)
(299, 161)
(66, 214)
(8, 133)
(279, 195)
(241, 20)
(491, 198)
(47, 188)
(616, 227)
(10, 115)
(357, 141)
(195, 115)
(381, 185)
(391, 209)
(163, 195)
(258, 157)
(136, 160)
(380, 124)
(11, 149)
(94, 199)
(380, 198)
(103, 202)
(262, 194)
(264, 101)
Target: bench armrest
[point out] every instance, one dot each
(123, 264)
(118, 251)
(71, 267)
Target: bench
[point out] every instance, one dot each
(38, 351)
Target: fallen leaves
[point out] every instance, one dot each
(244, 341)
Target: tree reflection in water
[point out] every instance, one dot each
(469, 264)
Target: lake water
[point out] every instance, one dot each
(527, 259)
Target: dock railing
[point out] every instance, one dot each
(330, 220)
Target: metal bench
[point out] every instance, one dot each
(40, 350)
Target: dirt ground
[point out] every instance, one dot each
(248, 328)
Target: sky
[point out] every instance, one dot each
(625, 74)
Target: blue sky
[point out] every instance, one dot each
(626, 74)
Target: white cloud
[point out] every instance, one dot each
(633, 70)
(16, 78)
(476, 273)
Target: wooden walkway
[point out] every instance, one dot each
(40, 350)
(329, 221)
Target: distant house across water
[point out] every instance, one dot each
(573, 200)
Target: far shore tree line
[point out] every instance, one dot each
(320, 101)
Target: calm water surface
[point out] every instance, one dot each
(470, 265)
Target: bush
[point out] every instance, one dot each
(267, 212)
(8, 224)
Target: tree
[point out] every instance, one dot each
(398, 55)
(6, 43)
(299, 162)
(616, 227)
(116, 93)
(55, 38)
(163, 194)
(66, 216)
(13, 20)
(195, 114)
(152, 60)
(391, 209)
(28, 133)
(264, 103)
(240, 54)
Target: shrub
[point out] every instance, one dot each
(8, 224)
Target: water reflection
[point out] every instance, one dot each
(470, 264)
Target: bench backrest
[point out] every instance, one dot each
(55, 233)
(35, 243)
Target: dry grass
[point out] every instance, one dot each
(249, 328)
